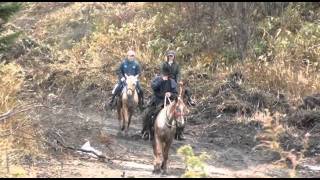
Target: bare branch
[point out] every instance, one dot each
(18, 109)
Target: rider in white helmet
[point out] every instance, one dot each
(129, 66)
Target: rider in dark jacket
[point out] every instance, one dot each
(162, 85)
(129, 66)
(174, 68)
(175, 72)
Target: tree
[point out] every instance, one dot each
(6, 11)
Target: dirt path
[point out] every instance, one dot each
(134, 156)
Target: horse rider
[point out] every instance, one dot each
(175, 72)
(162, 86)
(170, 62)
(129, 66)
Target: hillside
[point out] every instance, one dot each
(253, 69)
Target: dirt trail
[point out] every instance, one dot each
(134, 156)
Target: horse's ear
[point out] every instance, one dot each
(136, 76)
(126, 75)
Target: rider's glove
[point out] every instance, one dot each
(122, 79)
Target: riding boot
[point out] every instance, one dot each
(111, 102)
(181, 137)
(179, 134)
(115, 93)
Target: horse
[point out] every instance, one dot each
(150, 116)
(127, 103)
(168, 119)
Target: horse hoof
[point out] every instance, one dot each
(164, 172)
(145, 136)
(156, 171)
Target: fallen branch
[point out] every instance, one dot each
(17, 110)
(100, 157)
(82, 150)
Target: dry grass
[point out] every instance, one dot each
(270, 139)
(16, 131)
(114, 28)
(283, 78)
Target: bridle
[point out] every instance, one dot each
(176, 114)
(130, 89)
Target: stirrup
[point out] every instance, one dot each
(191, 103)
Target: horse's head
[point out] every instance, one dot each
(180, 111)
(131, 82)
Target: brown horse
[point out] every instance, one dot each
(168, 119)
(127, 103)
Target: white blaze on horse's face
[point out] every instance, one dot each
(131, 82)
(181, 110)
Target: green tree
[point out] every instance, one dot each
(6, 11)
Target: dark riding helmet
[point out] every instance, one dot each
(166, 71)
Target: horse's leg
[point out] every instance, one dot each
(151, 127)
(146, 123)
(165, 156)
(120, 118)
(129, 120)
(128, 123)
(125, 120)
(157, 155)
(130, 117)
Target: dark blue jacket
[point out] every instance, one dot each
(160, 87)
(128, 67)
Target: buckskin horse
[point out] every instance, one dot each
(168, 119)
(127, 103)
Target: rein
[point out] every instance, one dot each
(130, 90)
(165, 104)
(130, 97)
(175, 113)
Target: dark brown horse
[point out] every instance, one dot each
(168, 119)
(127, 104)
